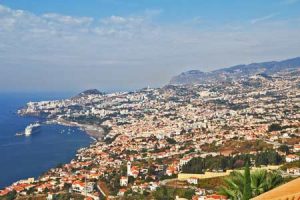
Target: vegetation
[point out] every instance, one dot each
(221, 163)
(290, 165)
(112, 181)
(165, 193)
(65, 196)
(109, 140)
(170, 140)
(130, 195)
(9, 196)
(239, 184)
(274, 127)
(268, 157)
(164, 177)
(284, 148)
(241, 146)
(210, 183)
(247, 190)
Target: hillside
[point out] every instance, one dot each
(231, 73)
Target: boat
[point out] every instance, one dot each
(19, 134)
(31, 129)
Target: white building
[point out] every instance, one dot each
(293, 171)
(291, 158)
(124, 181)
(192, 180)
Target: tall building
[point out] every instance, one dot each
(129, 169)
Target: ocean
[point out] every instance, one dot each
(23, 157)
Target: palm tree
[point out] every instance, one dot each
(273, 180)
(260, 182)
(247, 192)
(234, 186)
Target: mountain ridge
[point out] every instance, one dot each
(236, 71)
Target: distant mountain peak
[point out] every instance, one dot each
(193, 72)
(90, 92)
(186, 77)
(230, 73)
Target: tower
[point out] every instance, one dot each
(128, 168)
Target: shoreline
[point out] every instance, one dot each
(96, 133)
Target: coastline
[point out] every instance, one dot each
(96, 133)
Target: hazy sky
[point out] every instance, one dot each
(71, 45)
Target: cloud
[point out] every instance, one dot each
(114, 20)
(264, 18)
(118, 20)
(68, 20)
(57, 52)
(3, 9)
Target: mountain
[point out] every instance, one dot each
(90, 92)
(231, 73)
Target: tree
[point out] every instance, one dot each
(268, 157)
(62, 196)
(234, 186)
(171, 140)
(258, 182)
(284, 148)
(274, 127)
(162, 194)
(130, 179)
(273, 179)
(261, 181)
(167, 193)
(123, 170)
(247, 193)
(10, 196)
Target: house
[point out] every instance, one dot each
(143, 186)
(94, 175)
(291, 158)
(78, 186)
(184, 160)
(293, 171)
(43, 187)
(144, 171)
(90, 187)
(132, 170)
(296, 148)
(171, 170)
(50, 196)
(153, 186)
(192, 180)
(4, 192)
(135, 173)
(200, 192)
(26, 181)
(123, 181)
(18, 188)
(121, 192)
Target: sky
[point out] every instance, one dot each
(73, 45)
